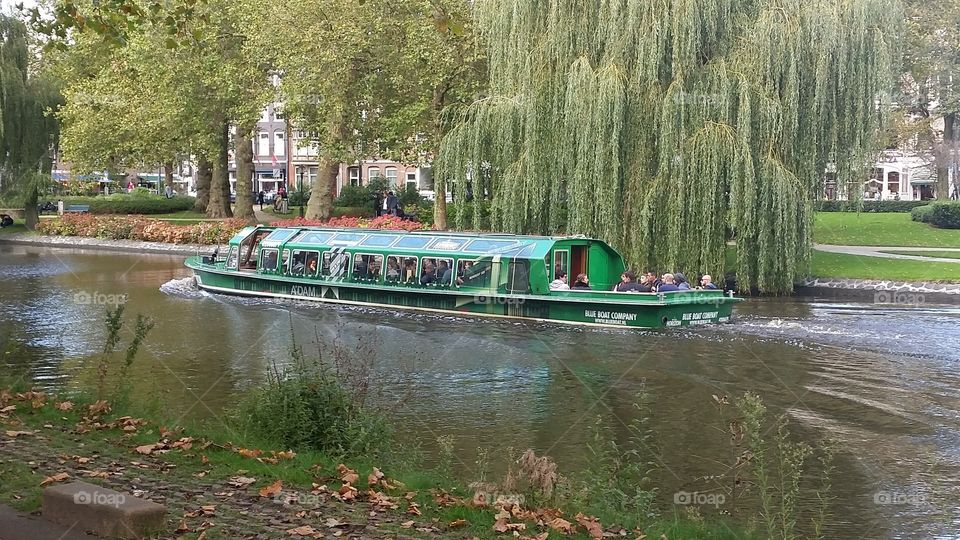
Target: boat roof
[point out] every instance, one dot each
(468, 243)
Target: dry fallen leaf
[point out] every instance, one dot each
(8, 408)
(241, 481)
(458, 523)
(272, 490)
(347, 475)
(146, 449)
(249, 453)
(209, 510)
(303, 530)
(15, 434)
(65, 406)
(289, 454)
(407, 524)
(592, 525)
(561, 525)
(59, 477)
(183, 527)
(374, 477)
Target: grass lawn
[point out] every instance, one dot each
(937, 254)
(837, 265)
(15, 228)
(870, 229)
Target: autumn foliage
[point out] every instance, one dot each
(392, 223)
(140, 228)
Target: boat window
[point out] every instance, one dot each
(304, 262)
(406, 270)
(233, 257)
(281, 235)
(413, 242)
(394, 265)
(561, 263)
(268, 259)
(473, 273)
(347, 239)
(448, 244)
(284, 259)
(483, 245)
(314, 238)
(334, 264)
(379, 240)
(436, 271)
(367, 267)
(518, 277)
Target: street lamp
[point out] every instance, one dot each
(300, 189)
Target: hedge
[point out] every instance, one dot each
(921, 213)
(352, 211)
(945, 215)
(869, 206)
(132, 204)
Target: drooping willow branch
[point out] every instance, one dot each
(669, 127)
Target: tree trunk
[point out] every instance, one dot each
(324, 190)
(168, 174)
(439, 183)
(30, 214)
(202, 182)
(219, 205)
(244, 152)
(948, 156)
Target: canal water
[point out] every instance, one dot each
(881, 381)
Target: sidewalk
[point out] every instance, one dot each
(16, 526)
(877, 251)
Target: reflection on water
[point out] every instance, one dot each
(879, 380)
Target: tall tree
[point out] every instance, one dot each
(930, 95)
(662, 125)
(28, 134)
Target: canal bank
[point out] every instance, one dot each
(879, 379)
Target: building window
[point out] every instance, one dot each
(279, 146)
(354, 173)
(391, 173)
(893, 182)
(373, 172)
(412, 181)
(263, 144)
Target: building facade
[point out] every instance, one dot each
(897, 175)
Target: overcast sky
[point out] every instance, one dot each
(8, 5)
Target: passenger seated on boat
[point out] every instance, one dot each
(582, 283)
(312, 266)
(653, 281)
(466, 270)
(706, 282)
(628, 283)
(270, 260)
(645, 283)
(444, 272)
(359, 266)
(559, 284)
(681, 281)
(668, 284)
(429, 275)
(410, 270)
(299, 264)
(393, 269)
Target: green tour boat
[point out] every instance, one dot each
(489, 275)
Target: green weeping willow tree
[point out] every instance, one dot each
(669, 127)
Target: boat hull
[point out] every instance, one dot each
(654, 311)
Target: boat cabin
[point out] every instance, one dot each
(491, 263)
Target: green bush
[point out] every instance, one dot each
(295, 199)
(945, 215)
(869, 206)
(139, 204)
(352, 211)
(310, 405)
(921, 213)
(354, 196)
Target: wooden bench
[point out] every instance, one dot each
(77, 209)
(102, 511)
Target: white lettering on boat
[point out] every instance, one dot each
(701, 317)
(610, 317)
(304, 290)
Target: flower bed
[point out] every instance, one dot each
(139, 228)
(392, 223)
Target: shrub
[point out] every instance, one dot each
(352, 211)
(354, 196)
(296, 200)
(316, 405)
(945, 215)
(383, 222)
(921, 213)
(139, 204)
(138, 228)
(869, 206)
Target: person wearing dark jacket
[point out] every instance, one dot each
(628, 283)
(392, 203)
(378, 203)
(668, 285)
(582, 283)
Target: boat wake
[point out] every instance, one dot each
(183, 288)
